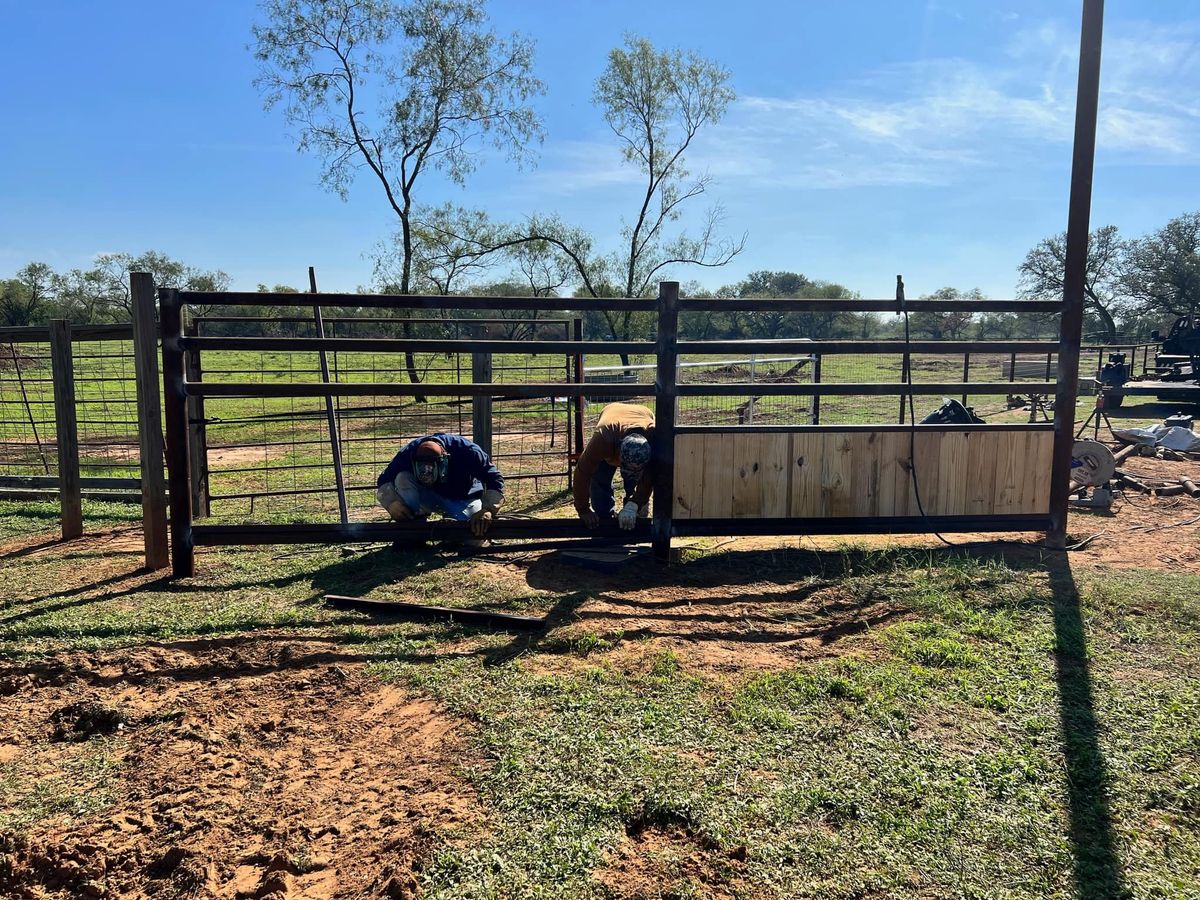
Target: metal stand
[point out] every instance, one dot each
(1095, 417)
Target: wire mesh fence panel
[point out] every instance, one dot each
(106, 410)
(27, 425)
(270, 459)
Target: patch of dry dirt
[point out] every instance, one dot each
(265, 769)
(671, 861)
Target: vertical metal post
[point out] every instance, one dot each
(816, 400)
(966, 373)
(183, 563)
(577, 335)
(904, 364)
(70, 498)
(150, 436)
(481, 406)
(665, 393)
(197, 431)
(335, 443)
(1078, 219)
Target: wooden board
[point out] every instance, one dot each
(689, 474)
(717, 480)
(861, 474)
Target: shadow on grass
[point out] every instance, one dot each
(1097, 867)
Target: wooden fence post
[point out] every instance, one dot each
(70, 498)
(666, 392)
(481, 406)
(150, 439)
(183, 563)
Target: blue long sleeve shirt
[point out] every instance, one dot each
(468, 464)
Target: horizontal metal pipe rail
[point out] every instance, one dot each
(415, 301)
(851, 347)
(859, 525)
(863, 388)
(605, 389)
(442, 529)
(526, 529)
(862, 429)
(418, 345)
(759, 304)
(40, 334)
(401, 389)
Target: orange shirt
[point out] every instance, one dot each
(616, 422)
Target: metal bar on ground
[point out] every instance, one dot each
(1075, 267)
(440, 613)
(335, 446)
(66, 436)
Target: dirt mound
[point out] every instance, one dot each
(246, 769)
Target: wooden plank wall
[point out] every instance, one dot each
(757, 475)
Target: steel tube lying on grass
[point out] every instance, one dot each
(446, 613)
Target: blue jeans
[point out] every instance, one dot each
(423, 500)
(602, 495)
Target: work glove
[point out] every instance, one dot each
(590, 518)
(627, 518)
(481, 522)
(399, 511)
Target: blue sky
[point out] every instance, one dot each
(868, 138)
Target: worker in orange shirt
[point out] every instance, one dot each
(622, 442)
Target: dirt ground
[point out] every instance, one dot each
(262, 769)
(274, 767)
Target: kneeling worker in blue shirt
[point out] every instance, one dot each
(444, 473)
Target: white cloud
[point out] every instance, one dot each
(934, 121)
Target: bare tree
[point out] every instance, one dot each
(655, 102)
(444, 85)
(1044, 268)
